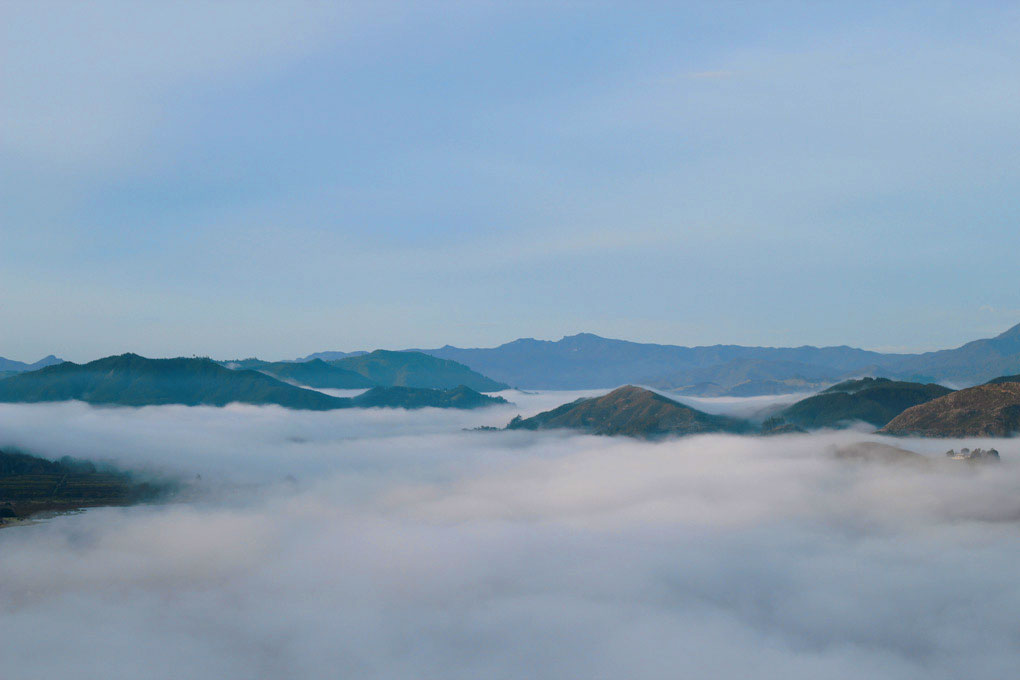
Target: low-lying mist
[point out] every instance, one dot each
(395, 544)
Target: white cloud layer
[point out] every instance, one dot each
(411, 549)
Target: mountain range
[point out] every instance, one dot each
(132, 380)
(587, 361)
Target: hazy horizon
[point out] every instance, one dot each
(884, 350)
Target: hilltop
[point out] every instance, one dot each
(869, 400)
(991, 410)
(414, 369)
(631, 411)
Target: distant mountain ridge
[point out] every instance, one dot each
(12, 366)
(587, 361)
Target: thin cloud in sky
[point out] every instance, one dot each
(367, 159)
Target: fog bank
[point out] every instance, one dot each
(405, 547)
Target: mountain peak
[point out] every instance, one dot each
(632, 411)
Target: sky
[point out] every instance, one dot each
(274, 179)
(388, 544)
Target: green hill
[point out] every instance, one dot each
(131, 380)
(414, 369)
(872, 400)
(631, 411)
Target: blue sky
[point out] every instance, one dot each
(276, 179)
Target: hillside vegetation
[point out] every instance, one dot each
(873, 401)
(414, 369)
(991, 410)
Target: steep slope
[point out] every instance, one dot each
(414, 369)
(983, 411)
(314, 373)
(131, 380)
(630, 411)
(412, 398)
(869, 400)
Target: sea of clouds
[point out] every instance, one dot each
(395, 544)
